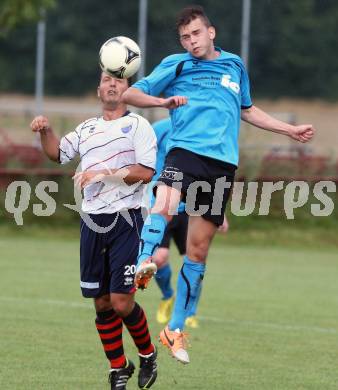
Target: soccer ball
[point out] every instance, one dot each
(120, 57)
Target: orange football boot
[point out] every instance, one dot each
(177, 342)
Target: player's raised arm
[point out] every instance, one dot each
(259, 118)
(137, 98)
(49, 141)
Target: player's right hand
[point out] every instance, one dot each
(40, 123)
(174, 102)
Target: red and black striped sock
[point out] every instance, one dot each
(136, 323)
(109, 325)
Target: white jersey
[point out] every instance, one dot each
(111, 144)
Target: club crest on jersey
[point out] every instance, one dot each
(126, 130)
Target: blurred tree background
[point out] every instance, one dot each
(293, 43)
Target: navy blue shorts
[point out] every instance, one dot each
(108, 260)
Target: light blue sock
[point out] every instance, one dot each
(193, 308)
(188, 286)
(163, 279)
(151, 236)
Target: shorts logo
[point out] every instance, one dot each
(128, 281)
(171, 175)
(126, 130)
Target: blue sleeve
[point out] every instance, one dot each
(159, 79)
(246, 101)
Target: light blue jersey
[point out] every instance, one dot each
(217, 90)
(163, 129)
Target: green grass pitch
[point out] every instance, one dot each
(268, 320)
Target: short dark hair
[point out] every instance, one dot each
(190, 13)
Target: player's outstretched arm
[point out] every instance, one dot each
(49, 141)
(259, 118)
(137, 98)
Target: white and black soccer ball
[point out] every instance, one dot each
(120, 57)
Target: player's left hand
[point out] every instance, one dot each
(83, 179)
(302, 133)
